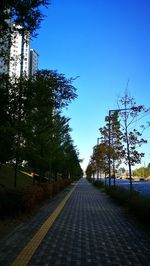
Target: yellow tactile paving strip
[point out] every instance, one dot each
(27, 252)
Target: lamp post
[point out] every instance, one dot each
(98, 139)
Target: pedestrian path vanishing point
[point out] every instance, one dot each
(90, 230)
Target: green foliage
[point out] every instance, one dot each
(6, 129)
(31, 125)
(26, 13)
(49, 92)
(122, 169)
(142, 172)
(35, 129)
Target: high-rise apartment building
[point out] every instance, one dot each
(33, 62)
(19, 53)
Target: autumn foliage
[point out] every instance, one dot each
(15, 202)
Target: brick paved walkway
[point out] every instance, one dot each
(91, 230)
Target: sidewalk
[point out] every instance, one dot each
(91, 230)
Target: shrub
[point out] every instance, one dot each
(98, 184)
(11, 202)
(60, 185)
(64, 183)
(32, 196)
(140, 206)
(14, 202)
(48, 190)
(55, 187)
(119, 194)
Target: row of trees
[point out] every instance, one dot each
(142, 172)
(119, 139)
(32, 127)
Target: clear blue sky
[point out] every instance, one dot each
(106, 43)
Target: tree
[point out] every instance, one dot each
(122, 170)
(26, 13)
(130, 113)
(49, 93)
(6, 129)
(31, 111)
(100, 157)
(91, 169)
(115, 141)
(111, 136)
(71, 162)
(18, 102)
(13, 97)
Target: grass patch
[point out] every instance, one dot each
(7, 178)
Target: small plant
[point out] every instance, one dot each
(98, 184)
(48, 190)
(32, 196)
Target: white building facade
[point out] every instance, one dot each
(16, 58)
(33, 62)
(19, 55)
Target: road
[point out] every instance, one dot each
(142, 186)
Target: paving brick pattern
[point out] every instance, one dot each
(90, 231)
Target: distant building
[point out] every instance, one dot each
(33, 62)
(15, 55)
(17, 64)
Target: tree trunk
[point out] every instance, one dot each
(33, 177)
(109, 159)
(129, 164)
(15, 170)
(128, 156)
(105, 179)
(114, 174)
